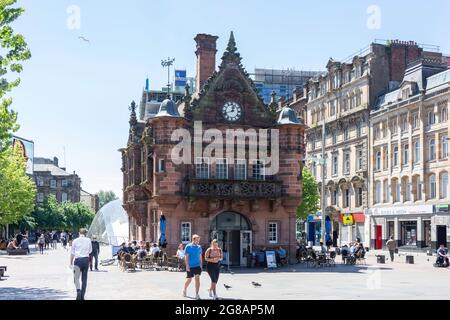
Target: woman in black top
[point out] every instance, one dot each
(213, 257)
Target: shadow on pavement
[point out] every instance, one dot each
(9, 293)
(303, 269)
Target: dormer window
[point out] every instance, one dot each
(406, 93)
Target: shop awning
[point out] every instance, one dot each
(359, 217)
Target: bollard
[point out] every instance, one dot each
(410, 259)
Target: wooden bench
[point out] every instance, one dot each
(17, 252)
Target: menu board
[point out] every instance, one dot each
(271, 259)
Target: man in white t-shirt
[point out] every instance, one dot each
(79, 260)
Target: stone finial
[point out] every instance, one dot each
(231, 55)
(133, 119)
(273, 105)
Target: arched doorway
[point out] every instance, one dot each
(234, 234)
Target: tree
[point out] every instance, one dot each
(76, 215)
(17, 190)
(14, 50)
(51, 215)
(311, 197)
(104, 197)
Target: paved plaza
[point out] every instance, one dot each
(48, 277)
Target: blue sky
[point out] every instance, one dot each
(76, 95)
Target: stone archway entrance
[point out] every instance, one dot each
(234, 234)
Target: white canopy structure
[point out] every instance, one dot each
(110, 224)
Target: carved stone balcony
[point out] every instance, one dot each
(233, 189)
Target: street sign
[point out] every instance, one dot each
(347, 219)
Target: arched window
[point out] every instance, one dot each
(416, 152)
(395, 156)
(432, 186)
(378, 192)
(378, 160)
(444, 154)
(431, 118)
(444, 185)
(444, 116)
(432, 149)
(386, 191)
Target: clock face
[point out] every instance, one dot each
(232, 111)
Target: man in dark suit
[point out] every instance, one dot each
(95, 252)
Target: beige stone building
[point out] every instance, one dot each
(409, 165)
(343, 98)
(90, 200)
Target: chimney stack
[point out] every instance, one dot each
(206, 58)
(55, 161)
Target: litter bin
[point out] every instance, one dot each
(381, 259)
(410, 259)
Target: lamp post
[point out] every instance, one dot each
(167, 63)
(322, 162)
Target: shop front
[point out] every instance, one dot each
(441, 225)
(411, 226)
(352, 226)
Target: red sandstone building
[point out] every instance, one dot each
(239, 201)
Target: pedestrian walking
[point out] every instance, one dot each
(41, 243)
(54, 240)
(95, 252)
(70, 238)
(47, 240)
(391, 245)
(194, 262)
(64, 239)
(79, 260)
(213, 257)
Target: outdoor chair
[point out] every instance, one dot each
(311, 260)
(331, 259)
(129, 262)
(172, 264)
(361, 258)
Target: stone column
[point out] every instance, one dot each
(419, 235)
(397, 231)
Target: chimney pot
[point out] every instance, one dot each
(55, 161)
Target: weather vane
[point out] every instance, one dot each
(167, 63)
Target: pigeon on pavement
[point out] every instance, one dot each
(226, 286)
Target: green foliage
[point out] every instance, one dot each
(17, 190)
(104, 197)
(311, 197)
(13, 50)
(51, 215)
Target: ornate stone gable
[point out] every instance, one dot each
(231, 84)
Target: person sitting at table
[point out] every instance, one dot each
(12, 245)
(154, 251)
(359, 250)
(281, 255)
(180, 256)
(323, 249)
(123, 248)
(25, 244)
(148, 246)
(180, 252)
(141, 252)
(130, 249)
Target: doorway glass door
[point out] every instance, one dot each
(246, 247)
